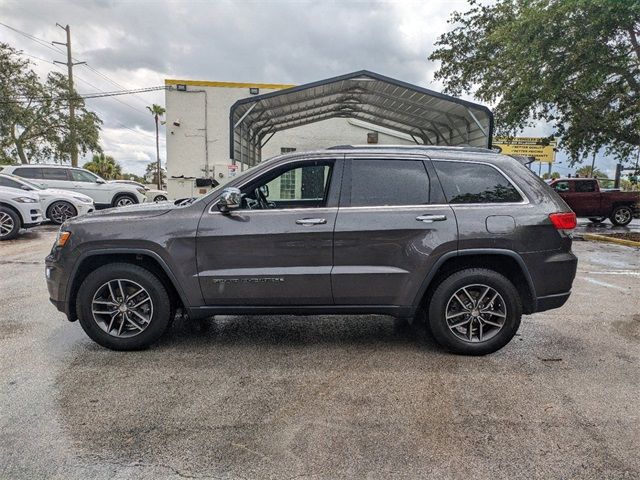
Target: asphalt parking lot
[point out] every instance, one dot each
(322, 397)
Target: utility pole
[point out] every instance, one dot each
(72, 108)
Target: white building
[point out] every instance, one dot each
(192, 151)
(216, 129)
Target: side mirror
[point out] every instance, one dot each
(24, 187)
(100, 180)
(230, 199)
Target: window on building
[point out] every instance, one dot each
(287, 150)
(388, 182)
(465, 182)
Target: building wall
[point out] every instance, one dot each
(186, 151)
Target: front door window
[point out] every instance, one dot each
(300, 186)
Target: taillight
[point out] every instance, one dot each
(563, 220)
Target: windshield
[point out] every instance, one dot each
(26, 182)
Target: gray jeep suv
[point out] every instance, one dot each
(463, 239)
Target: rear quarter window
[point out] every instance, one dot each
(55, 174)
(466, 182)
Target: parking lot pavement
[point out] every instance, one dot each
(585, 226)
(322, 397)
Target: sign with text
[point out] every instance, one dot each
(543, 149)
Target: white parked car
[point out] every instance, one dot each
(153, 195)
(57, 205)
(105, 194)
(18, 209)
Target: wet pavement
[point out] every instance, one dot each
(325, 396)
(585, 226)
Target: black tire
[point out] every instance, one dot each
(621, 215)
(160, 198)
(62, 211)
(597, 219)
(10, 224)
(472, 278)
(120, 199)
(161, 313)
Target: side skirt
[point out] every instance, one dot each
(208, 311)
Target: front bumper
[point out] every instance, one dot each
(84, 208)
(57, 281)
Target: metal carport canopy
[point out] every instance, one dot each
(429, 117)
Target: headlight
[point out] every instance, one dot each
(142, 191)
(62, 238)
(25, 200)
(84, 199)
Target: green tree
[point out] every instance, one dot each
(152, 171)
(34, 118)
(105, 166)
(572, 63)
(586, 172)
(553, 176)
(157, 111)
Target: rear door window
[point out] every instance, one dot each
(466, 182)
(29, 173)
(55, 174)
(388, 182)
(585, 186)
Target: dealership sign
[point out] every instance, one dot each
(543, 149)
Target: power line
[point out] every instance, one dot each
(42, 42)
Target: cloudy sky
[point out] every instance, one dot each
(139, 43)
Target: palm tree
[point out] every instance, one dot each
(157, 111)
(105, 166)
(590, 172)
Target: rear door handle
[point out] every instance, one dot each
(311, 221)
(431, 218)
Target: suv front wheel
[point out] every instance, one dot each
(124, 199)
(123, 307)
(475, 312)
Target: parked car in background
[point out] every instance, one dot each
(57, 205)
(587, 199)
(153, 195)
(461, 238)
(18, 209)
(103, 193)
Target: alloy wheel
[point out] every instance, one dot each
(61, 211)
(6, 224)
(476, 313)
(124, 201)
(122, 308)
(623, 215)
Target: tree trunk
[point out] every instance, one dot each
(159, 172)
(21, 154)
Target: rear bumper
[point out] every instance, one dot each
(549, 302)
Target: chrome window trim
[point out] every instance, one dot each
(274, 210)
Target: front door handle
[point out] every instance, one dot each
(311, 221)
(431, 218)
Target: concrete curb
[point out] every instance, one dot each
(603, 238)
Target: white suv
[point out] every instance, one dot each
(18, 209)
(104, 194)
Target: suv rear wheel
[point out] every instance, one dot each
(474, 312)
(621, 215)
(9, 224)
(123, 307)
